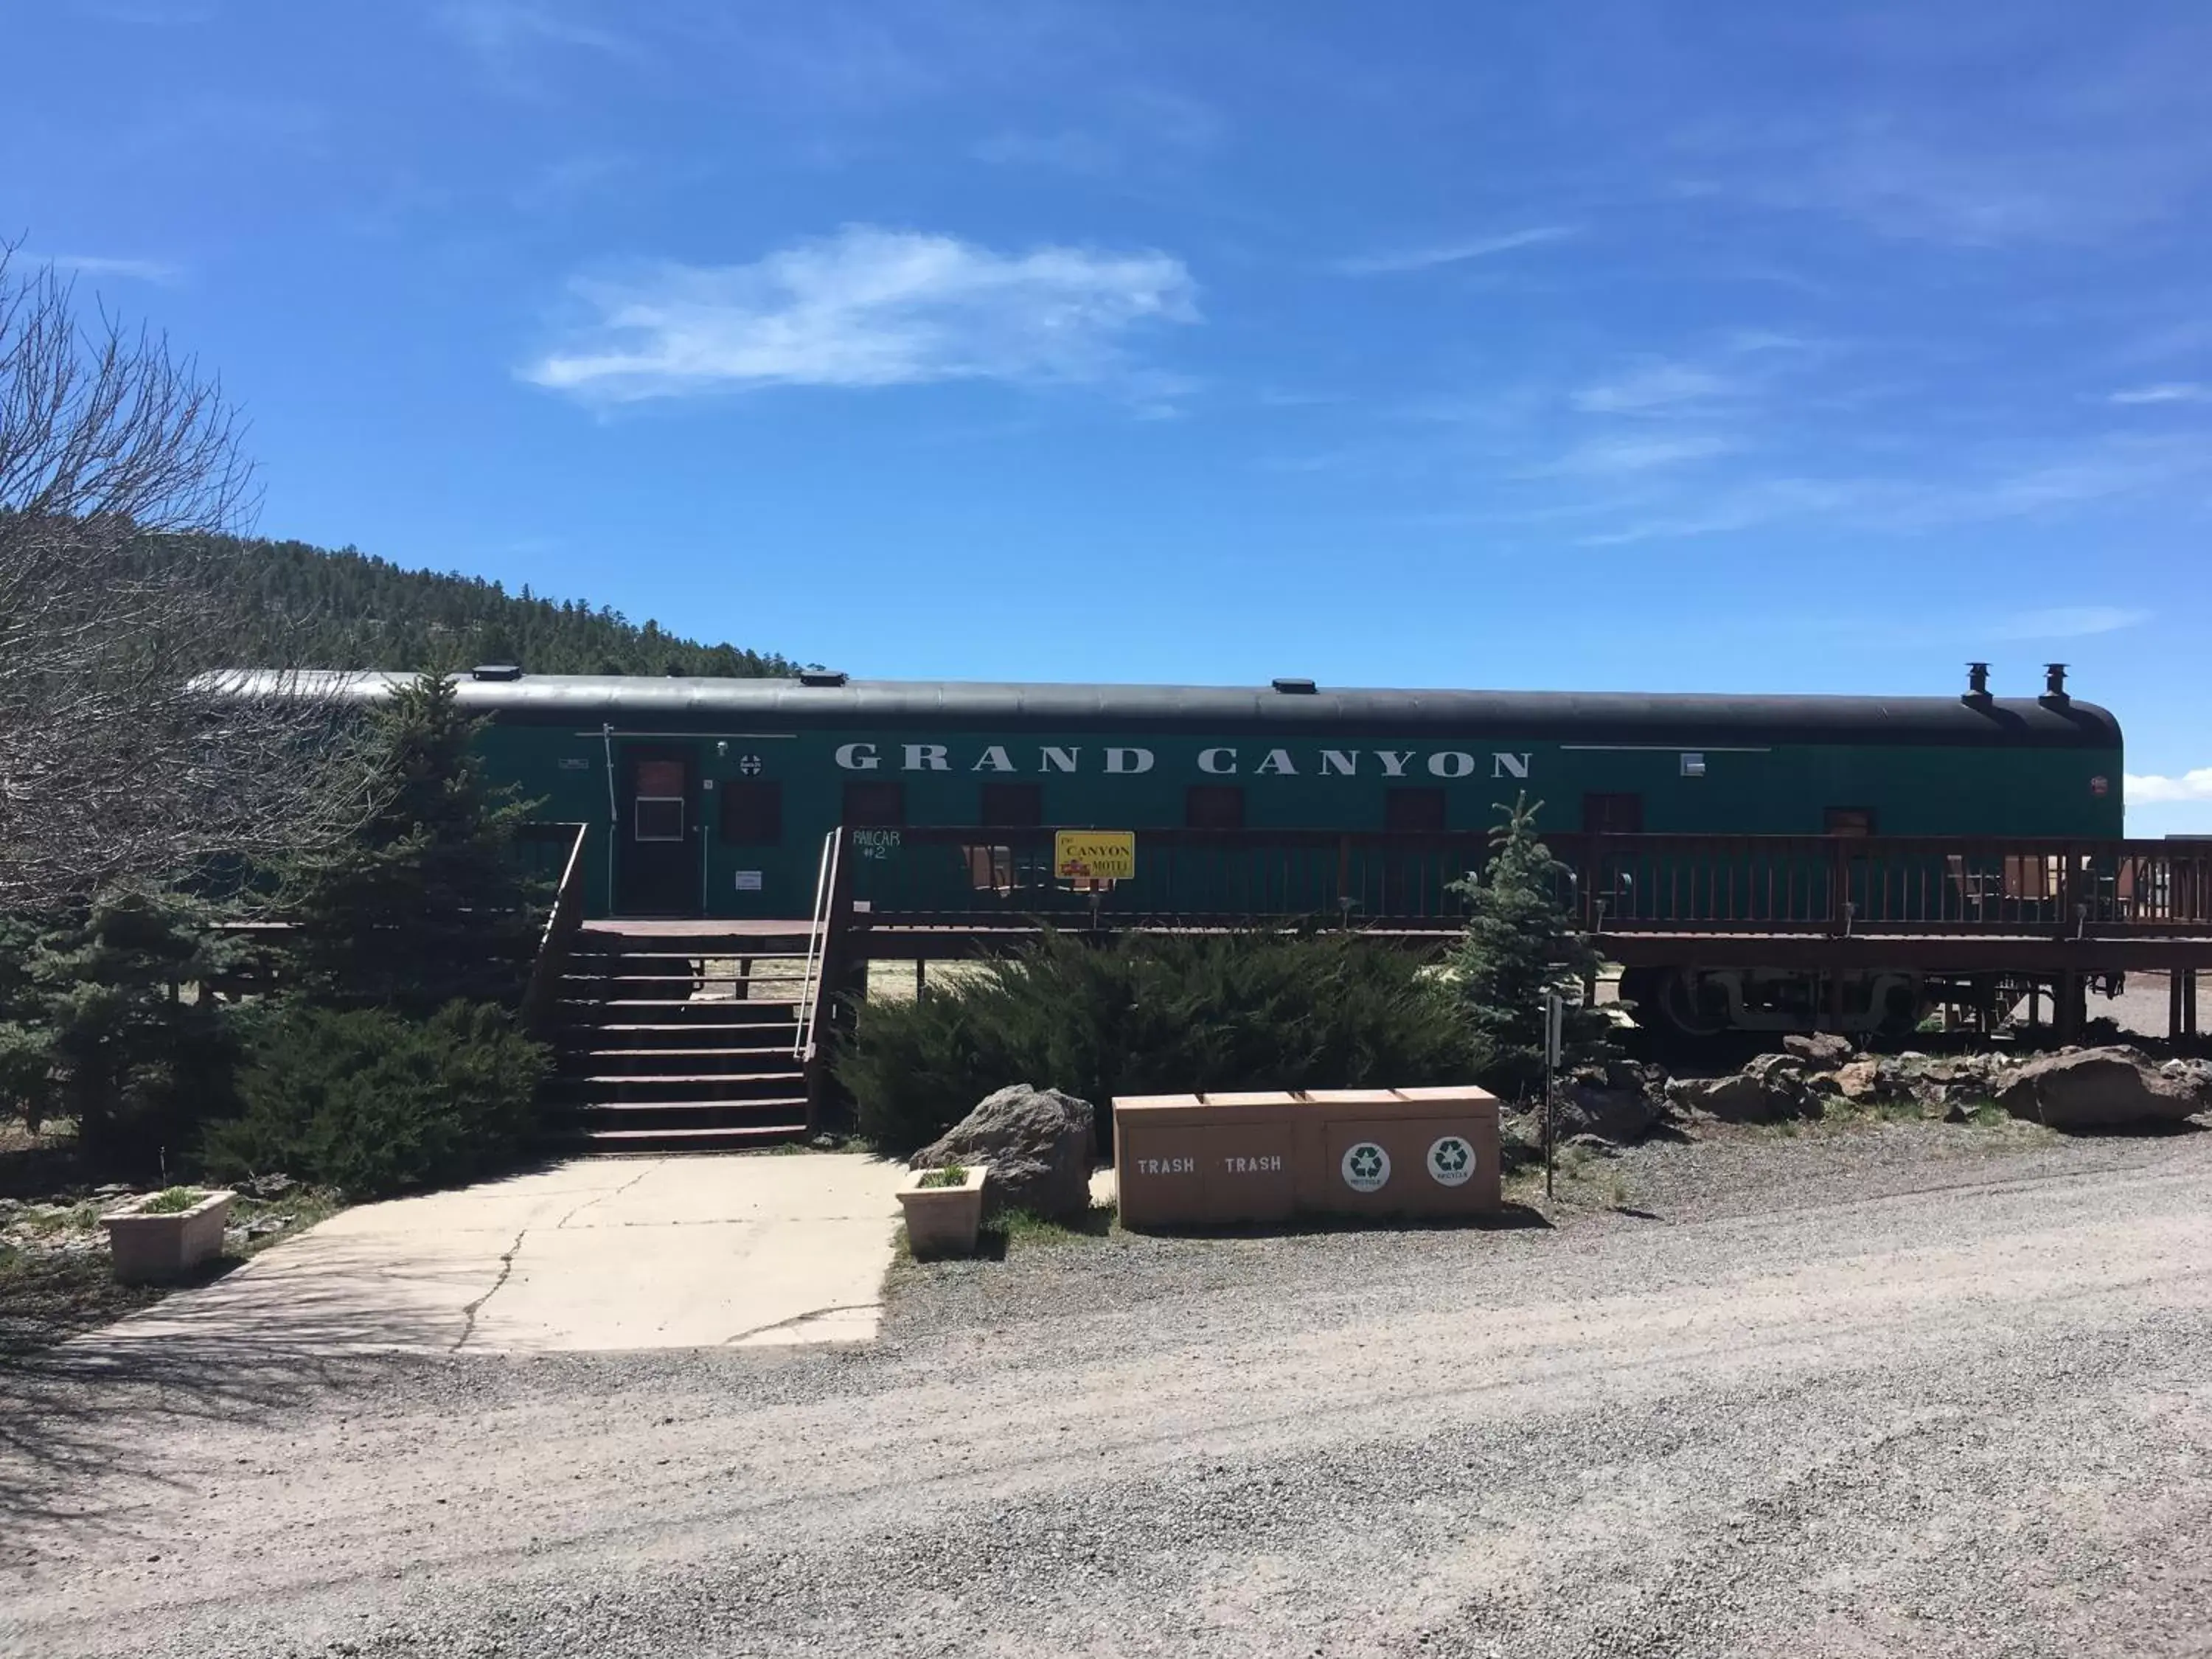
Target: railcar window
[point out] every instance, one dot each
(1613, 815)
(752, 812)
(1214, 806)
(1012, 805)
(875, 806)
(1415, 811)
(659, 818)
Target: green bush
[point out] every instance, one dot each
(426, 902)
(1521, 946)
(107, 1019)
(373, 1102)
(1154, 1016)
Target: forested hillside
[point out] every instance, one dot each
(305, 606)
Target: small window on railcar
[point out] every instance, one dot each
(1849, 821)
(1214, 806)
(1012, 805)
(752, 812)
(1613, 815)
(1414, 812)
(875, 806)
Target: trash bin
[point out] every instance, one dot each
(1197, 1160)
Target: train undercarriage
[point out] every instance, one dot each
(1712, 1002)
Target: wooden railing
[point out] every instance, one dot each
(541, 1000)
(1713, 884)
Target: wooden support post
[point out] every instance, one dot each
(2176, 1026)
(920, 965)
(2073, 1006)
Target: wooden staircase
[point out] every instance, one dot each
(680, 1037)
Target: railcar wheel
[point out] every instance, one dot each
(1667, 1004)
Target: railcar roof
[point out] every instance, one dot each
(1663, 719)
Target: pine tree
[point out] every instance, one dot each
(1520, 946)
(116, 1028)
(427, 901)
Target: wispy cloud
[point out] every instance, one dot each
(2150, 787)
(136, 270)
(1638, 452)
(1452, 254)
(1994, 491)
(2068, 622)
(2170, 392)
(1658, 388)
(503, 32)
(873, 308)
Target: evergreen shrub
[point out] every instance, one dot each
(1520, 946)
(374, 1102)
(1154, 1016)
(106, 1017)
(427, 901)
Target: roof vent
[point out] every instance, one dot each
(822, 677)
(2054, 684)
(1295, 688)
(496, 671)
(1977, 694)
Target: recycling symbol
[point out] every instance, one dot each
(1365, 1167)
(1451, 1161)
(751, 765)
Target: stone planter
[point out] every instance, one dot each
(157, 1246)
(944, 1221)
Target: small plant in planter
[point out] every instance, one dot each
(944, 1210)
(167, 1234)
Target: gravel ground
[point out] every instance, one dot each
(1891, 1389)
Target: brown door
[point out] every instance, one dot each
(658, 869)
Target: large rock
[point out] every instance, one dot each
(2098, 1088)
(1772, 1086)
(1861, 1081)
(1824, 1048)
(1040, 1144)
(1591, 1107)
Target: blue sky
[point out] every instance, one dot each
(1701, 346)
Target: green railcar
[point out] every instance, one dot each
(711, 796)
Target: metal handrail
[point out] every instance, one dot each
(561, 923)
(817, 948)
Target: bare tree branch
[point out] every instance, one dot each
(122, 759)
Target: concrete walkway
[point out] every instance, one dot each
(594, 1253)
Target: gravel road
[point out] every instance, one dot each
(1899, 1389)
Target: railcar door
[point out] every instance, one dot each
(659, 870)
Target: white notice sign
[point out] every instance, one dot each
(748, 881)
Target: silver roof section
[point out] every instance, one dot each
(1670, 720)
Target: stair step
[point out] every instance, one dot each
(795, 958)
(597, 1054)
(691, 1107)
(761, 1007)
(659, 974)
(700, 1139)
(693, 1077)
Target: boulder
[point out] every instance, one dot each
(2096, 1088)
(2195, 1074)
(1041, 1145)
(1861, 1081)
(1824, 1048)
(1772, 1086)
(1618, 1115)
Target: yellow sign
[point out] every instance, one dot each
(1095, 855)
